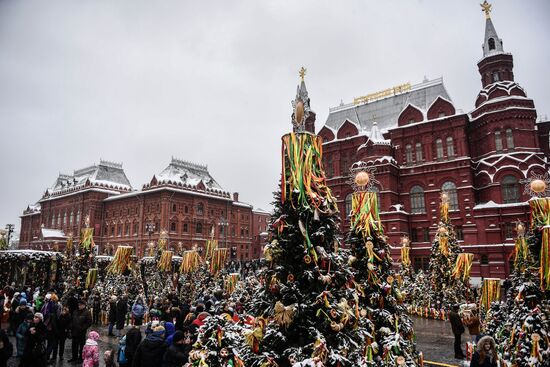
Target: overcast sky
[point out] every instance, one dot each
(138, 81)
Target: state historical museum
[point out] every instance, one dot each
(421, 145)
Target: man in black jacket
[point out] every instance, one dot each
(121, 311)
(112, 315)
(177, 354)
(80, 323)
(151, 350)
(458, 330)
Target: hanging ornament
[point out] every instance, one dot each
(284, 315)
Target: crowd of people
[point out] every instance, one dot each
(146, 330)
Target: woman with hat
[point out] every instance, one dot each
(35, 348)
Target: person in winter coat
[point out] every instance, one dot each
(80, 322)
(133, 339)
(61, 331)
(486, 354)
(151, 350)
(170, 329)
(471, 320)
(34, 354)
(458, 330)
(138, 311)
(6, 349)
(198, 322)
(177, 354)
(90, 352)
(21, 335)
(112, 314)
(121, 311)
(22, 311)
(96, 306)
(50, 310)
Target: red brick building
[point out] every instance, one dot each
(421, 145)
(183, 199)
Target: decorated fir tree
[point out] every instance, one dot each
(307, 309)
(448, 284)
(405, 276)
(390, 338)
(523, 336)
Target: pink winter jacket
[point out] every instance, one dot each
(90, 354)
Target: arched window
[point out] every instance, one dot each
(417, 200)
(200, 209)
(59, 219)
(450, 188)
(491, 43)
(71, 217)
(65, 218)
(510, 189)
(484, 260)
(498, 141)
(408, 154)
(174, 208)
(173, 227)
(496, 77)
(348, 204)
(52, 223)
(439, 148)
(198, 228)
(450, 147)
(509, 139)
(78, 217)
(419, 156)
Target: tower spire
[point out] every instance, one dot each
(491, 44)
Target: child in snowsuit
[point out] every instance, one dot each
(90, 352)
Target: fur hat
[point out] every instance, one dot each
(484, 340)
(39, 315)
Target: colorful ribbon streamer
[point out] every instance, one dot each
(165, 261)
(463, 266)
(365, 217)
(218, 260)
(405, 258)
(121, 260)
(490, 292)
(540, 217)
(190, 261)
(87, 238)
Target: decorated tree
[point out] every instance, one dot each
(306, 309)
(449, 267)
(406, 276)
(523, 336)
(390, 338)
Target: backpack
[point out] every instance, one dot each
(122, 351)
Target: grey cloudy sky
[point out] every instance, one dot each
(137, 81)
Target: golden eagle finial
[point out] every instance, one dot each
(302, 72)
(486, 8)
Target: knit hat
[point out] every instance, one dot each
(178, 335)
(39, 315)
(23, 302)
(93, 335)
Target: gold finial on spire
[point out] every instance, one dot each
(302, 73)
(486, 8)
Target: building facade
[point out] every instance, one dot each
(421, 145)
(183, 200)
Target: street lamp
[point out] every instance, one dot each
(149, 228)
(223, 223)
(10, 228)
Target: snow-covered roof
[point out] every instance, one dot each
(386, 110)
(261, 211)
(183, 172)
(107, 175)
(52, 233)
(491, 204)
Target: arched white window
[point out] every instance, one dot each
(450, 188)
(377, 191)
(408, 154)
(417, 200)
(509, 139)
(510, 189)
(439, 148)
(419, 155)
(71, 217)
(450, 147)
(498, 141)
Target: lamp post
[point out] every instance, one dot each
(223, 223)
(10, 228)
(149, 228)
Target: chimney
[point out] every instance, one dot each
(235, 196)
